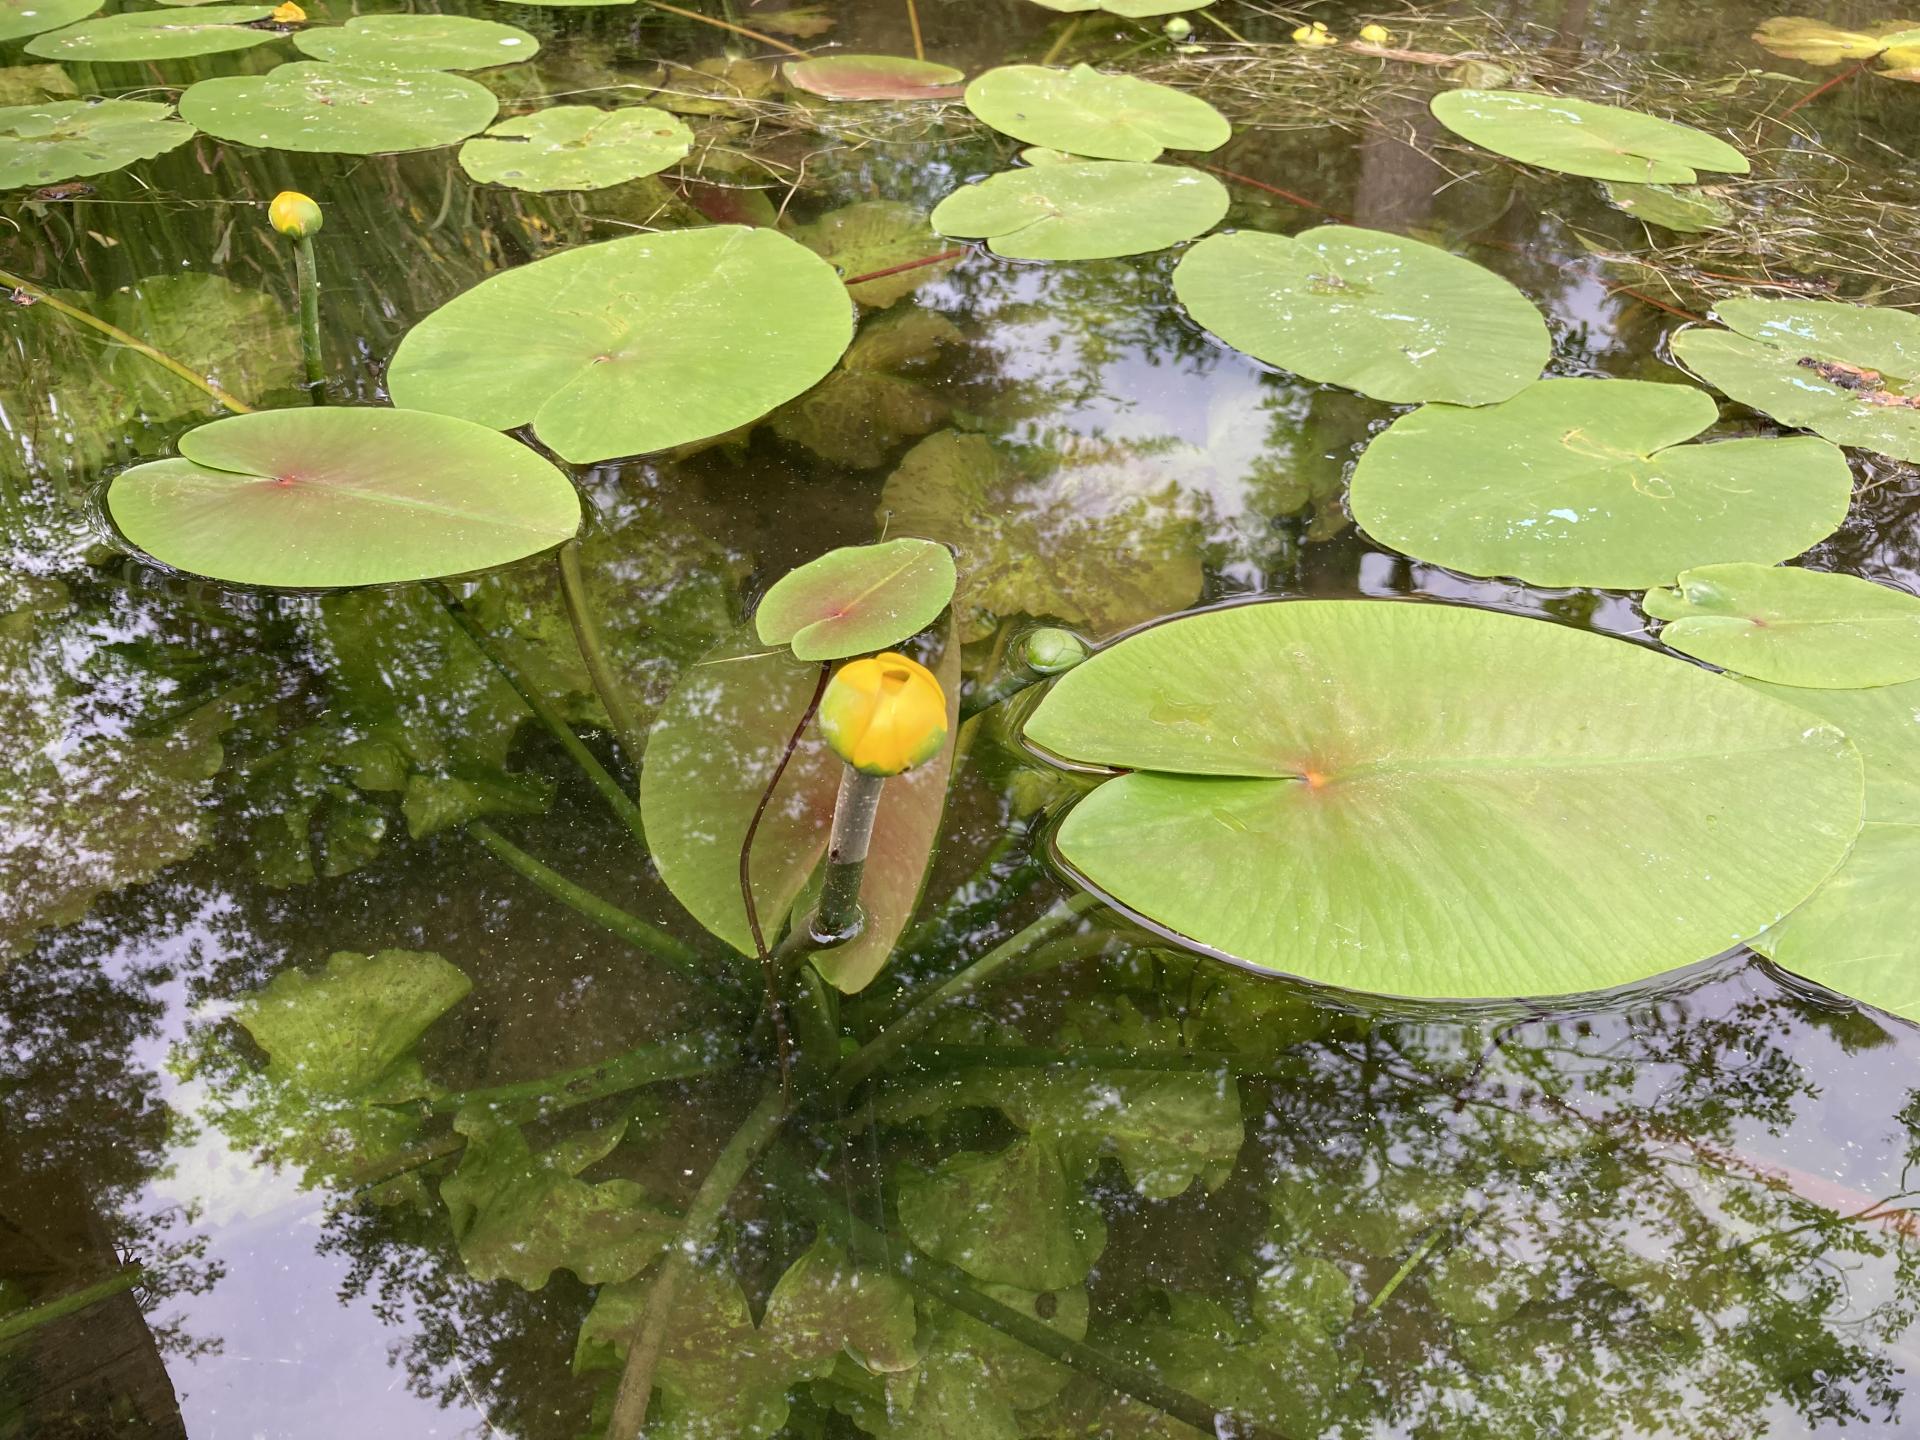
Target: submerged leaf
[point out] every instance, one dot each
(1084, 210)
(58, 140)
(873, 235)
(1683, 208)
(857, 599)
(860, 415)
(1419, 799)
(1088, 112)
(1579, 137)
(1799, 38)
(1387, 316)
(1588, 482)
(1792, 627)
(332, 109)
(1013, 1218)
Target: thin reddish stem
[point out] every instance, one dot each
(907, 265)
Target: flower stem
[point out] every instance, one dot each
(586, 634)
(670, 950)
(677, 1059)
(308, 275)
(838, 918)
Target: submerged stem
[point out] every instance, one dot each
(25, 1322)
(114, 332)
(308, 275)
(676, 1059)
(672, 951)
(586, 634)
(1059, 45)
(729, 25)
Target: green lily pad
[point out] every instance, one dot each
(1013, 1218)
(1848, 372)
(857, 599)
(1088, 112)
(1797, 37)
(43, 143)
(1032, 538)
(576, 147)
(31, 17)
(157, 34)
(1860, 933)
(1390, 317)
(1792, 627)
(1087, 210)
(1587, 482)
(320, 498)
(1681, 208)
(875, 77)
(872, 235)
(35, 85)
(861, 414)
(417, 42)
(632, 345)
(1127, 9)
(1579, 137)
(1418, 799)
(333, 109)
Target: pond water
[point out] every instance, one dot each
(425, 1198)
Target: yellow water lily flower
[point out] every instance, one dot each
(288, 14)
(884, 714)
(1314, 36)
(295, 215)
(1376, 34)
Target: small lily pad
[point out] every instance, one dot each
(576, 147)
(1792, 627)
(319, 498)
(1797, 37)
(1848, 372)
(1587, 482)
(417, 42)
(1390, 317)
(1579, 137)
(333, 109)
(1087, 112)
(1682, 208)
(31, 17)
(875, 77)
(857, 599)
(1086, 210)
(632, 345)
(40, 144)
(157, 34)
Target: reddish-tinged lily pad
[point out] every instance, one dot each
(319, 498)
(857, 599)
(876, 77)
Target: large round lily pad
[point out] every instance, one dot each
(632, 345)
(576, 147)
(857, 599)
(1088, 112)
(1587, 482)
(1429, 800)
(316, 498)
(1848, 372)
(31, 17)
(157, 35)
(1793, 627)
(875, 77)
(313, 106)
(1390, 317)
(1084, 210)
(417, 42)
(1579, 137)
(43, 143)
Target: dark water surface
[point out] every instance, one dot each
(1676, 1211)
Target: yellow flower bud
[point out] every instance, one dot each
(1315, 35)
(1178, 27)
(294, 214)
(1376, 34)
(884, 714)
(288, 14)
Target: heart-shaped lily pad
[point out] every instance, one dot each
(43, 143)
(1799, 38)
(1579, 137)
(857, 599)
(632, 345)
(1848, 372)
(417, 42)
(1085, 210)
(875, 77)
(1792, 627)
(31, 17)
(334, 109)
(157, 34)
(1682, 208)
(1390, 317)
(319, 498)
(1586, 482)
(1420, 799)
(1088, 112)
(576, 147)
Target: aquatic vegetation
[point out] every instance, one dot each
(1592, 482)
(1687, 209)
(417, 42)
(314, 106)
(857, 600)
(171, 34)
(576, 147)
(1894, 43)
(875, 77)
(47, 142)
(1579, 137)
(1088, 112)
(20, 18)
(1389, 317)
(1084, 210)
